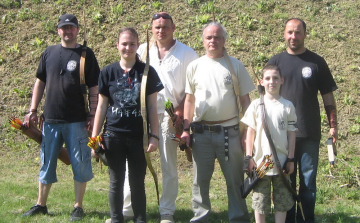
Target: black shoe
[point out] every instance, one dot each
(37, 209)
(77, 214)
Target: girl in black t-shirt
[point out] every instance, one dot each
(119, 101)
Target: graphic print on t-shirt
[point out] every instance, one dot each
(306, 72)
(281, 124)
(228, 80)
(71, 65)
(128, 92)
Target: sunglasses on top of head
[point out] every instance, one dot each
(162, 15)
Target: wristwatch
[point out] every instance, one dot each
(290, 159)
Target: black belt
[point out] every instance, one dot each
(200, 128)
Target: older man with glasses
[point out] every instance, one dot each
(170, 58)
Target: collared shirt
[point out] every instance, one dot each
(171, 70)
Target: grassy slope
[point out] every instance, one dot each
(255, 34)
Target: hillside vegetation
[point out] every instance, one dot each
(255, 31)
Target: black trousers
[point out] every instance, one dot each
(120, 148)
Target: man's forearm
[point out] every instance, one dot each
(330, 108)
(180, 107)
(93, 99)
(38, 92)
(245, 102)
(189, 105)
(250, 137)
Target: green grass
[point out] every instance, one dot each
(334, 203)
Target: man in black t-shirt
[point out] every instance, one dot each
(305, 74)
(65, 117)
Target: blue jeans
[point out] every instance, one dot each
(76, 138)
(118, 149)
(307, 156)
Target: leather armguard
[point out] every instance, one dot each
(331, 115)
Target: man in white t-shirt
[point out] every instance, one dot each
(211, 111)
(170, 58)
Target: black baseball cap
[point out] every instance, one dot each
(68, 19)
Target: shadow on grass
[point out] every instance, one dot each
(98, 215)
(185, 215)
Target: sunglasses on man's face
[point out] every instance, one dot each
(164, 16)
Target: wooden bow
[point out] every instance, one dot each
(82, 69)
(144, 117)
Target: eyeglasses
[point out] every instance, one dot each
(162, 15)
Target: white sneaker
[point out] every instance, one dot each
(166, 218)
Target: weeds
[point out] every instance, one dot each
(312, 10)
(323, 118)
(238, 44)
(337, 36)
(10, 4)
(97, 2)
(348, 100)
(279, 15)
(355, 129)
(14, 49)
(98, 17)
(262, 7)
(313, 33)
(208, 8)
(339, 79)
(38, 1)
(142, 8)
(8, 18)
(352, 13)
(332, 8)
(63, 2)
(193, 2)
(281, 47)
(37, 42)
(24, 14)
(247, 22)
(202, 19)
(22, 93)
(49, 26)
(157, 5)
(264, 40)
(357, 120)
(261, 58)
(118, 10)
(2, 60)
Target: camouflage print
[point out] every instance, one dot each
(261, 199)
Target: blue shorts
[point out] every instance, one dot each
(75, 138)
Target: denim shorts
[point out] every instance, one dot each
(282, 197)
(75, 138)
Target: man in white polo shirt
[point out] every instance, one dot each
(170, 58)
